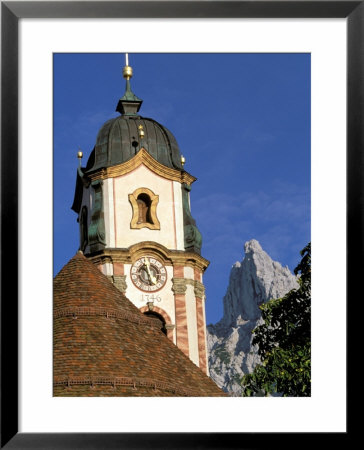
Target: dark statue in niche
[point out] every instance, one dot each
(193, 238)
(96, 230)
(83, 229)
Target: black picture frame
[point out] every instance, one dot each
(11, 12)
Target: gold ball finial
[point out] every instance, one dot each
(127, 72)
(141, 131)
(79, 155)
(183, 160)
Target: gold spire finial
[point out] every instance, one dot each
(127, 70)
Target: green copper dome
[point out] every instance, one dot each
(118, 141)
(119, 138)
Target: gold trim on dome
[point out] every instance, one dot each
(143, 157)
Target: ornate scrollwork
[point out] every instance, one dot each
(179, 285)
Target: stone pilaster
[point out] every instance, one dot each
(201, 334)
(179, 288)
(170, 328)
(201, 321)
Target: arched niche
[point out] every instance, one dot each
(144, 205)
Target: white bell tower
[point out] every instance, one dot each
(133, 206)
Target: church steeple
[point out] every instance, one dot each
(129, 104)
(133, 206)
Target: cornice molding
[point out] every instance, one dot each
(143, 157)
(168, 257)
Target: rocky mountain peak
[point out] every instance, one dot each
(253, 281)
(252, 246)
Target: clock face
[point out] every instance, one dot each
(148, 274)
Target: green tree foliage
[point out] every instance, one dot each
(284, 341)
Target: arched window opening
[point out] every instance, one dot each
(157, 317)
(144, 204)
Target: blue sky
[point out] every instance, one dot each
(242, 121)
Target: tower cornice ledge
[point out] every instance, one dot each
(142, 157)
(131, 254)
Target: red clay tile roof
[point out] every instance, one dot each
(104, 346)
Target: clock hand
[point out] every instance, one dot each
(152, 278)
